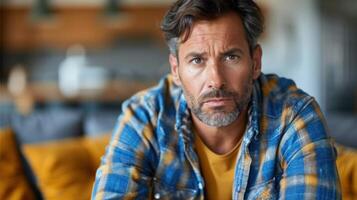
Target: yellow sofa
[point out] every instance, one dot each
(13, 181)
(65, 169)
(347, 169)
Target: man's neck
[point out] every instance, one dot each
(221, 140)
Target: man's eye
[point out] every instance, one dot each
(231, 58)
(196, 61)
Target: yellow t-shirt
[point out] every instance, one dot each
(217, 170)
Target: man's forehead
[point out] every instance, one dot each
(227, 27)
(223, 40)
(213, 35)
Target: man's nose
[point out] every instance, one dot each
(216, 78)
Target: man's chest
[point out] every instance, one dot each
(257, 174)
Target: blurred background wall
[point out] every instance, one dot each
(314, 43)
(86, 55)
(92, 54)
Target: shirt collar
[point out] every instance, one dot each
(183, 120)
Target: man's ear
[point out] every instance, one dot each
(257, 61)
(174, 69)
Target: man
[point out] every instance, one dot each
(217, 127)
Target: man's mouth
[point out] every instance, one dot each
(217, 101)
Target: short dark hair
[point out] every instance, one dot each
(179, 19)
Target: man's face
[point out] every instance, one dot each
(216, 70)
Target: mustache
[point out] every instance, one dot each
(216, 93)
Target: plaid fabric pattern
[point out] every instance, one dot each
(285, 152)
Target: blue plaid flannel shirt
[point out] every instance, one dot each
(285, 152)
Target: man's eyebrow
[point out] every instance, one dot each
(232, 51)
(201, 54)
(194, 54)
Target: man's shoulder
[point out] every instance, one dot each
(164, 94)
(273, 84)
(279, 93)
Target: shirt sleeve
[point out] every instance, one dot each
(127, 167)
(307, 156)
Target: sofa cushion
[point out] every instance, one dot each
(347, 169)
(96, 148)
(63, 168)
(13, 181)
(45, 125)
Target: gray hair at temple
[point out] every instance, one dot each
(179, 19)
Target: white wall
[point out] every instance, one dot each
(291, 47)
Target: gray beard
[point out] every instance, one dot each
(217, 119)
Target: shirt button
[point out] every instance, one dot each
(157, 196)
(200, 186)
